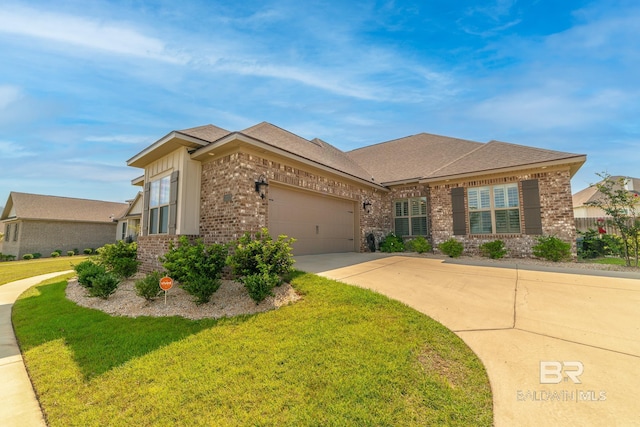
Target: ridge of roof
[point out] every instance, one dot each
(207, 132)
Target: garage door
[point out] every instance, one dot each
(319, 223)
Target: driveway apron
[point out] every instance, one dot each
(559, 349)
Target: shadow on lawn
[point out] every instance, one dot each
(99, 342)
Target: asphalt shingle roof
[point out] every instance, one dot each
(36, 206)
(591, 193)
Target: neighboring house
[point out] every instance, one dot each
(37, 223)
(128, 227)
(582, 198)
(212, 183)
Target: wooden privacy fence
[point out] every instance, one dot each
(584, 224)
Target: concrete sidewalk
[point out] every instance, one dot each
(19, 407)
(532, 330)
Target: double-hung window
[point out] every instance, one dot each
(494, 210)
(410, 216)
(159, 205)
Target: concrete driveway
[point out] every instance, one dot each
(559, 348)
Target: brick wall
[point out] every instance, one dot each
(556, 211)
(152, 247)
(46, 236)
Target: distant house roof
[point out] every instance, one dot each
(41, 207)
(591, 193)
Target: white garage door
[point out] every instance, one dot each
(320, 224)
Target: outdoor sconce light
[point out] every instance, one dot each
(261, 186)
(366, 205)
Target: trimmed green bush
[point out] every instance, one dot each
(419, 245)
(260, 285)
(493, 250)
(119, 258)
(55, 254)
(451, 247)
(59, 251)
(201, 287)
(88, 251)
(197, 267)
(392, 243)
(27, 256)
(70, 253)
(104, 285)
(87, 271)
(254, 255)
(37, 255)
(552, 248)
(149, 286)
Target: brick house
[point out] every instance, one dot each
(38, 223)
(217, 184)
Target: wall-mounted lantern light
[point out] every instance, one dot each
(366, 206)
(261, 186)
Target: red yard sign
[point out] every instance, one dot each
(166, 283)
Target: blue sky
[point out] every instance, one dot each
(84, 86)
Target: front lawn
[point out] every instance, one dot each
(16, 270)
(340, 356)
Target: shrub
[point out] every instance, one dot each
(70, 253)
(552, 248)
(196, 266)
(451, 247)
(493, 250)
(201, 287)
(103, 285)
(27, 256)
(590, 245)
(260, 285)
(261, 254)
(119, 258)
(149, 286)
(392, 243)
(37, 255)
(419, 245)
(59, 251)
(76, 251)
(55, 254)
(613, 245)
(7, 257)
(87, 271)
(88, 251)
(187, 259)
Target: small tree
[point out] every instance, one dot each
(622, 208)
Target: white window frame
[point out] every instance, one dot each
(404, 209)
(159, 199)
(491, 202)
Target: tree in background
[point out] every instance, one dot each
(622, 208)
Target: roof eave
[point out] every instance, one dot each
(164, 146)
(574, 163)
(203, 153)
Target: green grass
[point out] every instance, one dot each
(16, 270)
(340, 356)
(607, 261)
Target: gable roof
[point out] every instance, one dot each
(422, 157)
(412, 157)
(430, 157)
(315, 150)
(36, 206)
(591, 193)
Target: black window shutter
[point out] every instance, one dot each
(173, 203)
(531, 207)
(458, 207)
(145, 210)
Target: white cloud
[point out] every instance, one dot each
(85, 32)
(11, 150)
(121, 139)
